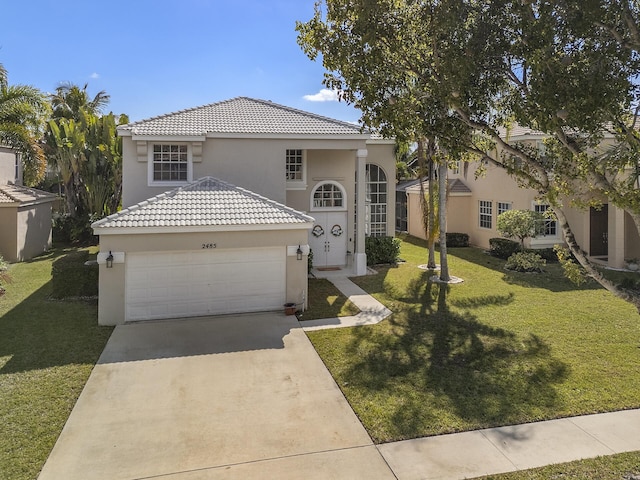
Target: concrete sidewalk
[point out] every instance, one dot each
(494, 450)
(518, 447)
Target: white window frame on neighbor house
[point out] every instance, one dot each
(546, 238)
(152, 162)
(485, 214)
(300, 157)
(328, 198)
(503, 207)
(455, 168)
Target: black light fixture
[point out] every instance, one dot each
(110, 260)
(299, 253)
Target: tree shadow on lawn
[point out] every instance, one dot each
(39, 333)
(440, 371)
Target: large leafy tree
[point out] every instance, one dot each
(83, 147)
(22, 113)
(370, 49)
(564, 68)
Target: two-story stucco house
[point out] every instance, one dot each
(25, 213)
(608, 234)
(222, 204)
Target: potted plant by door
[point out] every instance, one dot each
(290, 308)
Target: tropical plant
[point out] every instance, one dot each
(22, 112)
(520, 224)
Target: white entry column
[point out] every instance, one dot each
(360, 257)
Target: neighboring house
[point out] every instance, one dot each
(25, 213)
(607, 235)
(179, 169)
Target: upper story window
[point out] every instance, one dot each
(455, 167)
(486, 214)
(170, 163)
(294, 165)
(328, 195)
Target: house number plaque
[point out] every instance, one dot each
(208, 245)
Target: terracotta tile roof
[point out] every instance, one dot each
(241, 115)
(206, 202)
(11, 194)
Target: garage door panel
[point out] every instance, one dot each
(185, 284)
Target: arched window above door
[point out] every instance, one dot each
(328, 196)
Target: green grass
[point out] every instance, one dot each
(502, 348)
(625, 466)
(326, 301)
(47, 351)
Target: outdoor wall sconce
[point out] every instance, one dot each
(299, 253)
(110, 260)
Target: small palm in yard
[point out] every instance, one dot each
(501, 348)
(47, 351)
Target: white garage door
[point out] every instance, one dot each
(208, 282)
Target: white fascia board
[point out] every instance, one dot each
(381, 141)
(200, 229)
(168, 138)
(289, 136)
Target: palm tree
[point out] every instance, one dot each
(69, 100)
(22, 112)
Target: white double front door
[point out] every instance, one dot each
(328, 239)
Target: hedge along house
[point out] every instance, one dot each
(208, 248)
(331, 174)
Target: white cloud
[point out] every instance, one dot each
(94, 75)
(324, 95)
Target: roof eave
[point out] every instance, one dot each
(105, 230)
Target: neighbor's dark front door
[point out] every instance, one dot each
(599, 236)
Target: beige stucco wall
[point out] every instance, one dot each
(34, 230)
(257, 164)
(8, 234)
(24, 231)
(457, 214)
(111, 302)
(7, 166)
(632, 239)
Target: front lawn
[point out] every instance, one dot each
(47, 351)
(502, 348)
(326, 301)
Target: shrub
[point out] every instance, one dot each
(549, 254)
(525, 262)
(72, 278)
(503, 247)
(4, 276)
(68, 229)
(381, 250)
(457, 240)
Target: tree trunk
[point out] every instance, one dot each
(427, 203)
(442, 214)
(591, 270)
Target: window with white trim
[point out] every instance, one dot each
(170, 163)
(376, 201)
(503, 207)
(549, 227)
(485, 214)
(455, 167)
(328, 195)
(294, 165)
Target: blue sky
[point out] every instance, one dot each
(155, 57)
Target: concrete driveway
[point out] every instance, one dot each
(237, 397)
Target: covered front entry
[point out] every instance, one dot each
(328, 239)
(204, 282)
(598, 231)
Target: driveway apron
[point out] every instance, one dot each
(243, 396)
